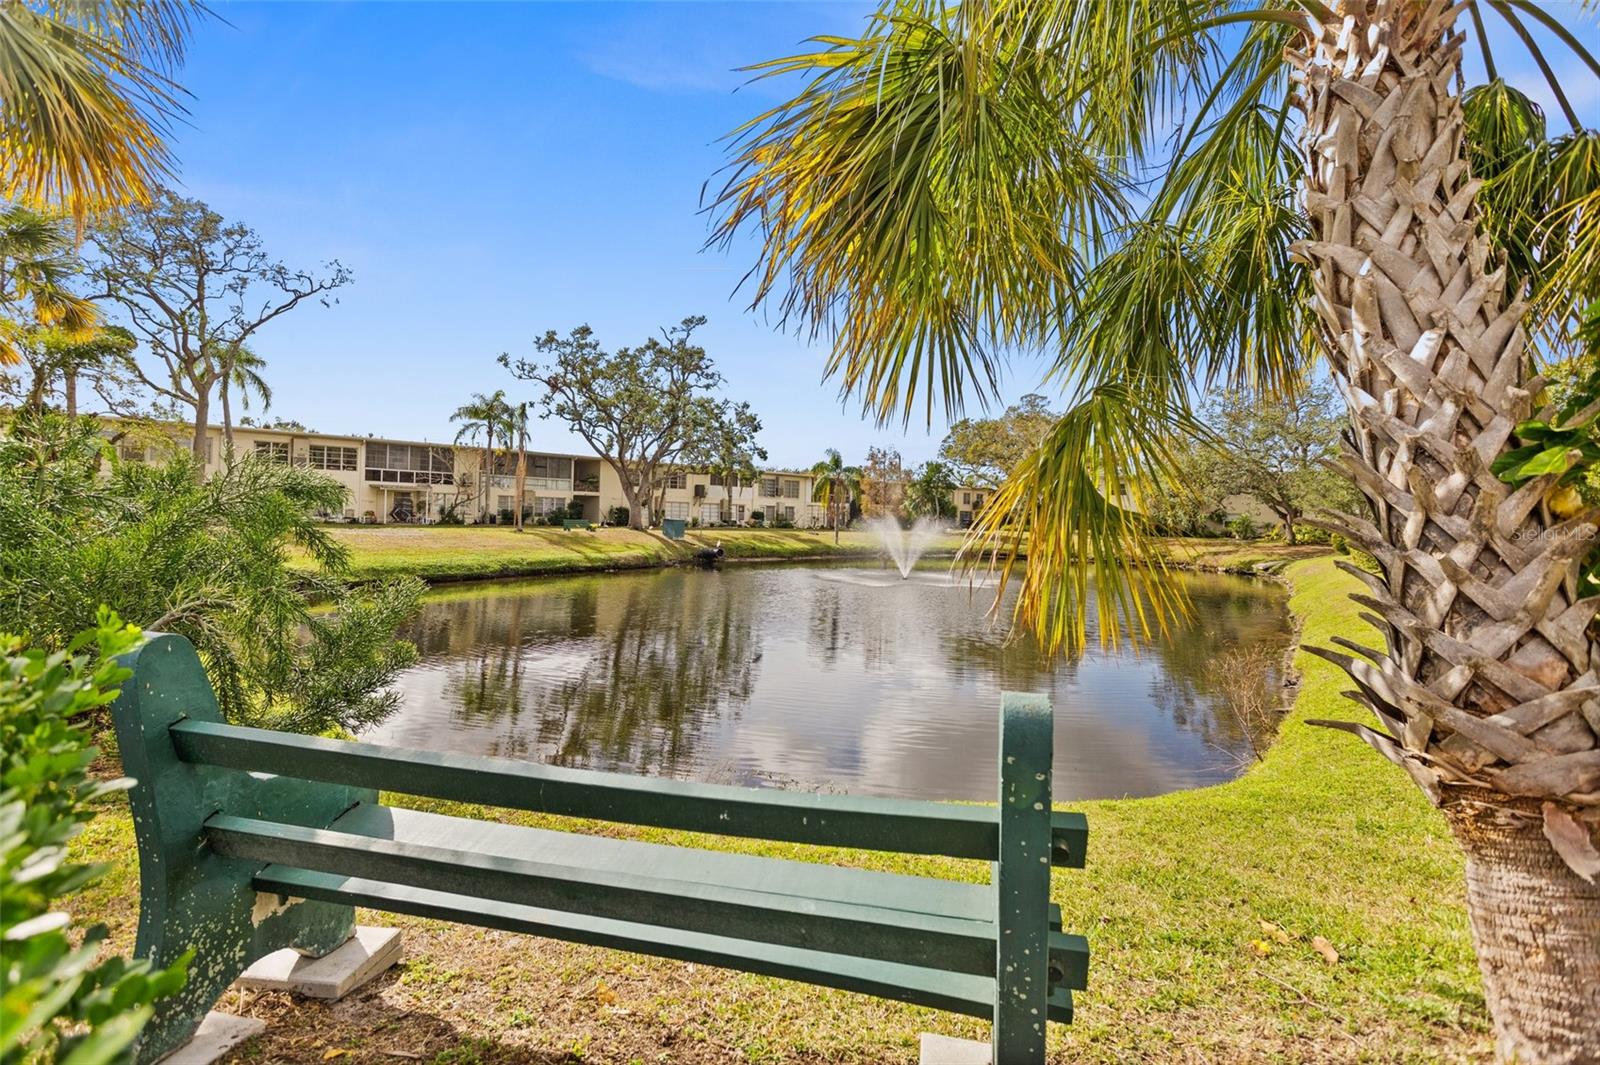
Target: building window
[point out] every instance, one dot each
(716, 480)
(543, 505)
(332, 457)
(791, 490)
(788, 512)
(131, 452)
(273, 451)
(769, 487)
(676, 510)
(677, 479)
(966, 498)
(710, 514)
(410, 464)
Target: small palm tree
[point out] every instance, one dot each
(1312, 183)
(483, 417)
(835, 486)
(241, 369)
(86, 94)
(37, 265)
(517, 425)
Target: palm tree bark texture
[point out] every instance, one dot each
(1487, 690)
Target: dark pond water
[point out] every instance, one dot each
(839, 678)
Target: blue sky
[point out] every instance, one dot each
(490, 171)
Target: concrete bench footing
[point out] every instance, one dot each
(353, 963)
(948, 1050)
(218, 1033)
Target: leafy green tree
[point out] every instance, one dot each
(642, 409)
(1278, 452)
(931, 493)
(984, 451)
(194, 288)
(86, 96)
(58, 1000)
(214, 561)
(836, 486)
(951, 187)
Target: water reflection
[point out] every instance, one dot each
(834, 677)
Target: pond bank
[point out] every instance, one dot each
(439, 553)
(1202, 908)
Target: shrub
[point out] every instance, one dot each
(57, 1002)
(758, 517)
(234, 562)
(1240, 527)
(617, 516)
(782, 522)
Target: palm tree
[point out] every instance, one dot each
(955, 185)
(931, 493)
(86, 91)
(37, 264)
(241, 369)
(518, 423)
(483, 417)
(835, 486)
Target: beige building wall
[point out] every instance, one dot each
(409, 480)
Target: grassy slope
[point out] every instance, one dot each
(1323, 838)
(460, 552)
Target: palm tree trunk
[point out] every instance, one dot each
(1536, 927)
(522, 470)
(1486, 692)
(70, 388)
(227, 417)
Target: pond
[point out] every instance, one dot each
(838, 678)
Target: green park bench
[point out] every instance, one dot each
(576, 523)
(251, 840)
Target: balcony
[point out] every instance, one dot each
(586, 484)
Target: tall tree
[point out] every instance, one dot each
(641, 409)
(194, 288)
(883, 481)
(483, 418)
(86, 96)
(835, 486)
(984, 451)
(948, 188)
(931, 492)
(1278, 451)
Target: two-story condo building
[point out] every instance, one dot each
(419, 481)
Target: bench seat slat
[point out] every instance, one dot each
(931, 940)
(955, 992)
(888, 891)
(904, 825)
(948, 898)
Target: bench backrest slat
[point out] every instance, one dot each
(901, 825)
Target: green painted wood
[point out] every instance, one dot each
(900, 825)
(190, 897)
(955, 992)
(947, 898)
(774, 917)
(1069, 958)
(1022, 883)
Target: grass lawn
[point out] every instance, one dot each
(460, 552)
(1201, 908)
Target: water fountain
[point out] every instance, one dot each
(904, 546)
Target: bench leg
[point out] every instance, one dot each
(191, 899)
(1022, 882)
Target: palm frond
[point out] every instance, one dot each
(1075, 511)
(87, 98)
(922, 200)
